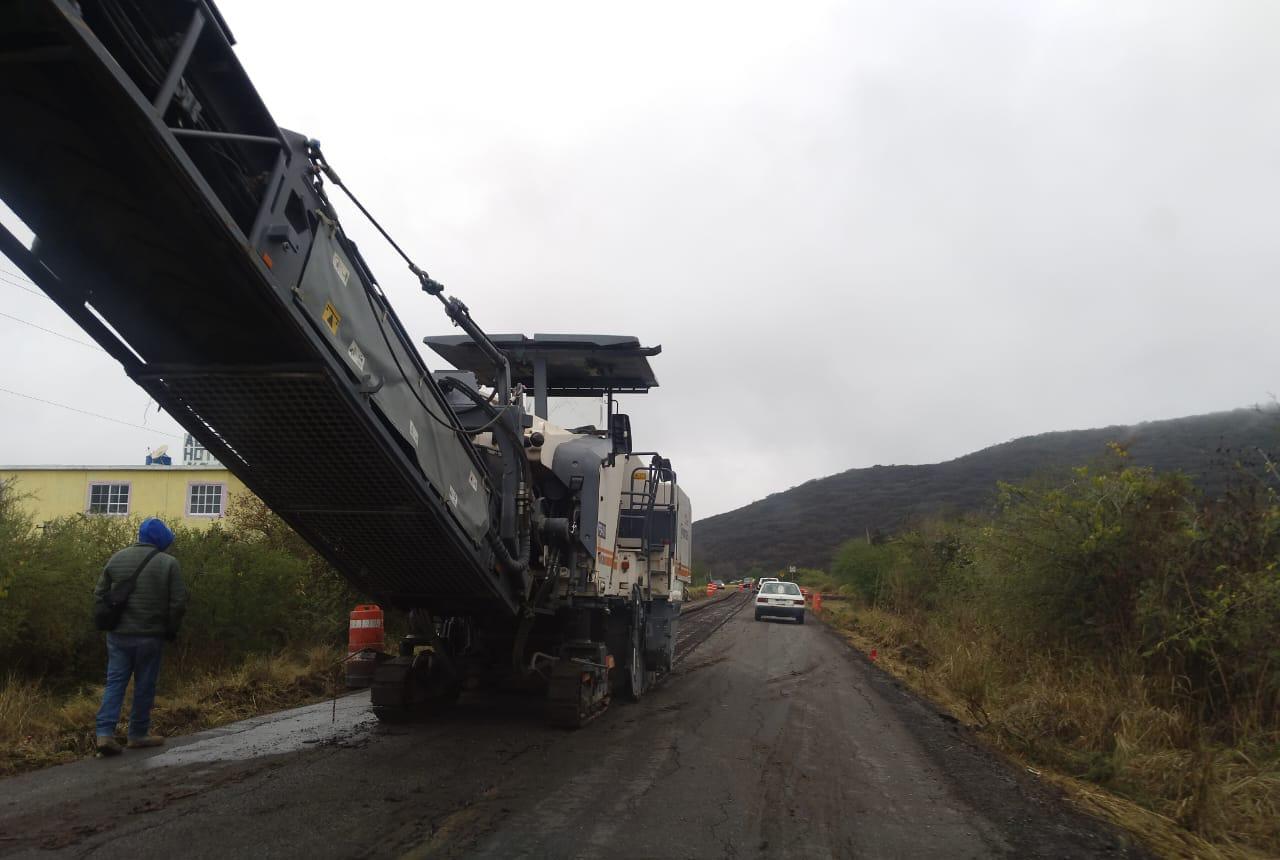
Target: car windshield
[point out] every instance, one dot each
(780, 588)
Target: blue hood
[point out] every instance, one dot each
(155, 532)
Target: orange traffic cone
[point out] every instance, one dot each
(874, 654)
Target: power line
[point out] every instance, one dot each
(4, 280)
(54, 333)
(19, 275)
(151, 430)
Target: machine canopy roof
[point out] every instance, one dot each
(577, 365)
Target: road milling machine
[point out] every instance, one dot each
(196, 241)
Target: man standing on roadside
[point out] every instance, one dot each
(152, 615)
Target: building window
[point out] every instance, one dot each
(110, 499)
(206, 500)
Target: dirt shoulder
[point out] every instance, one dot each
(902, 669)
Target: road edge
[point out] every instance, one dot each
(1051, 798)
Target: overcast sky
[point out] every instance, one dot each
(867, 232)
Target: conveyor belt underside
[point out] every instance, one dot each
(125, 221)
(316, 465)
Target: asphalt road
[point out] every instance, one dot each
(771, 739)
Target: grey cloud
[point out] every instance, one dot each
(864, 233)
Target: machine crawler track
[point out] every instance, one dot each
(574, 696)
(399, 693)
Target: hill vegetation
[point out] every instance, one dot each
(804, 525)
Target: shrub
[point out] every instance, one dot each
(1210, 618)
(931, 563)
(255, 587)
(861, 567)
(1071, 559)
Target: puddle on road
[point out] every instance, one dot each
(273, 734)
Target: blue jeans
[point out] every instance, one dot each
(138, 656)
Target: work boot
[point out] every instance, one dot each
(107, 746)
(148, 741)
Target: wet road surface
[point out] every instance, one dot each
(771, 739)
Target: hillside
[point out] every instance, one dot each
(804, 524)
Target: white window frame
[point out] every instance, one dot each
(128, 498)
(222, 499)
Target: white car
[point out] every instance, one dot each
(762, 580)
(781, 599)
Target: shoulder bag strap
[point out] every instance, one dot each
(133, 578)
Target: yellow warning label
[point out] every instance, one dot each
(331, 317)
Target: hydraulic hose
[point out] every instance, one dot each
(513, 451)
(505, 558)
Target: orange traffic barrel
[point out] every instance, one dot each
(366, 637)
(711, 589)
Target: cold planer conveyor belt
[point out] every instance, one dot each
(191, 237)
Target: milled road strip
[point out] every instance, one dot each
(692, 632)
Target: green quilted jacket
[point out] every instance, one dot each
(159, 597)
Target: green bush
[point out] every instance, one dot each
(1210, 616)
(933, 563)
(1068, 560)
(1113, 563)
(860, 567)
(255, 587)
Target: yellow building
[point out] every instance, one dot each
(190, 495)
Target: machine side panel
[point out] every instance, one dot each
(580, 458)
(346, 311)
(610, 577)
(684, 537)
